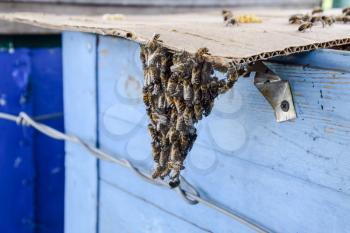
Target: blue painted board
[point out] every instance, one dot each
(17, 172)
(81, 190)
(291, 177)
(31, 164)
(322, 58)
(47, 95)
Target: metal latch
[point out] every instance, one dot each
(276, 91)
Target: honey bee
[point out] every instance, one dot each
(166, 171)
(214, 87)
(187, 92)
(201, 52)
(227, 14)
(161, 101)
(178, 68)
(149, 112)
(155, 151)
(170, 100)
(229, 18)
(163, 157)
(345, 19)
(180, 124)
(175, 154)
(339, 18)
(198, 112)
(153, 58)
(207, 70)
(187, 116)
(156, 89)
(153, 43)
(192, 138)
(296, 19)
(172, 135)
(316, 10)
(327, 20)
(174, 183)
(232, 75)
(347, 13)
(224, 88)
(345, 10)
(157, 171)
(163, 79)
(147, 98)
(231, 22)
(176, 167)
(154, 118)
(306, 17)
(315, 19)
(207, 107)
(196, 74)
(179, 90)
(173, 116)
(184, 140)
(197, 95)
(143, 53)
(164, 142)
(205, 93)
(171, 87)
(161, 119)
(151, 75)
(304, 26)
(180, 105)
(152, 132)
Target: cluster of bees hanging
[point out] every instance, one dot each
(307, 21)
(179, 89)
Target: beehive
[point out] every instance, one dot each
(277, 174)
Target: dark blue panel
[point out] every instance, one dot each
(49, 153)
(16, 160)
(31, 164)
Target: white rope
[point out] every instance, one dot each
(191, 195)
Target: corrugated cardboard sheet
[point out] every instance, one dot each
(190, 31)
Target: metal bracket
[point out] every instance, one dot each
(276, 91)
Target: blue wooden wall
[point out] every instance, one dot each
(292, 177)
(31, 165)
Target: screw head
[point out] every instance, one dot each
(285, 106)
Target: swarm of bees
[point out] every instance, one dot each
(179, 89)
(307, 21)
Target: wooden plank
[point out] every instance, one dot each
(18, 173)
(79, 69)
(180, 32)
(46, 87)
(322, 58)
(120, 210)
(299, 3)
(292, 177)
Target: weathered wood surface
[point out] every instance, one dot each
(290, 177)
(300, 3)
(79, 72)
(274, 36)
